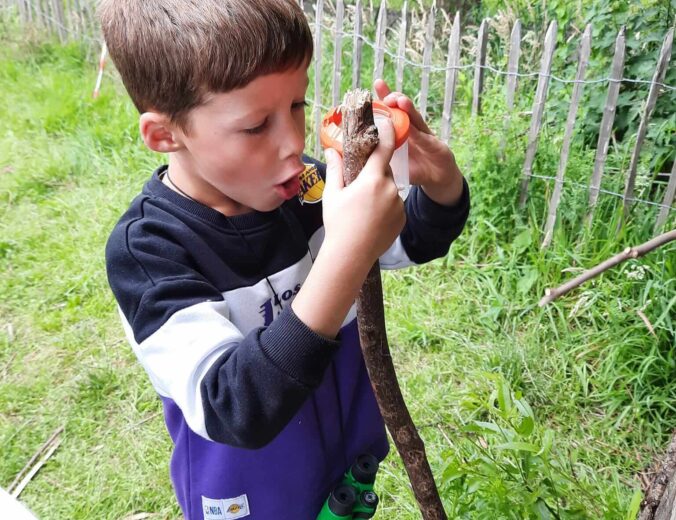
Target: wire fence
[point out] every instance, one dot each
(75, 20)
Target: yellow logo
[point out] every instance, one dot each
(234, 508)
(311, 185)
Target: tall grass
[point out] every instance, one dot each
(526, 412)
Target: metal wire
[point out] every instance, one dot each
(600, 190)
(435, 68)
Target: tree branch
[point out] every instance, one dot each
(360, 137)
(629, 253)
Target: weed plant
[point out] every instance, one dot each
(526, 412)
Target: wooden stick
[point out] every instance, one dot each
(380, 41)
(427, 59)
(480, 62)
(452, 62)
(606, 124)
(32, 467)
(317, 111)
(360, 137)
(401, 49)
(337, 53)
(658, 77)
(357, 44)
(538, 110)
(668, 199)
(628, 253)
(650, 507)
(585, 48)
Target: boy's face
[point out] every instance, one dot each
(243, 151)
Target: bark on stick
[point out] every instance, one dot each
(360, 137)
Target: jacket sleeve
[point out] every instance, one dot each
(232, 388)
(429, 231)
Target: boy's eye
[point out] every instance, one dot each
(257, 129)
(300, 104)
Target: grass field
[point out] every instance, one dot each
(526, 412)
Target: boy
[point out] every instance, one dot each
(244, 325)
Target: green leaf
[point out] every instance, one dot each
(542, 510)
(547, 442)
(518, 446)
(522, 240)
(482, 427)
(526, 426)
(634, 505)
(527, 280)
(504, 397)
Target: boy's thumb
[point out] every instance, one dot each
(334, 169)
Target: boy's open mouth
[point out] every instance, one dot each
(289, 189)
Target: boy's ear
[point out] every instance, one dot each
(159, 133)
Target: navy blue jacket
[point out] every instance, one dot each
(264, 413)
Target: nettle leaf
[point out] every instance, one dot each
(541, 509)
(527, 281)
(526, 426)
(522, 240)
(482, 427)
(518, 446)
(452, 472)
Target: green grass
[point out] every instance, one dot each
(526, 412)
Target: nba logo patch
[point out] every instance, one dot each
(311, 185)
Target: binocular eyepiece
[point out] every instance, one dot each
(354, 497)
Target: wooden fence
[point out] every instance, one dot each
(395, 30)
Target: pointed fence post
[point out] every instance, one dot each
(357, 44)
(480, 63)
(668, 200)
(512, 79)
(584, 50)
(380, 41)
(452, 63)
(427, 59)
(316, 109)
(606, 123)
(401, 49)
(57, 12)
(337, 53)
(538, 109)
(658, 77)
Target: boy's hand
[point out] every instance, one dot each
(364, 218)
(431, 163)
(361, 221)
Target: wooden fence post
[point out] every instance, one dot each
(381, 27)
(584, 50)
(357, 46)
(57, 13)
(452, 63)
(482, 40)
(606, 123)
(512, 79)
(337, 53)
(658, 77)
(668, 199)
(317, 111)
(401, 49)
(427, 59)
(538, 109)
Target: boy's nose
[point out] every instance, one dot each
(292, 140)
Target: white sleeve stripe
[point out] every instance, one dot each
(178, 355)
(395, 257)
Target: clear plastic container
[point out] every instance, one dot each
(332, 136)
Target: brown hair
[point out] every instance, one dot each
(171, 53)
